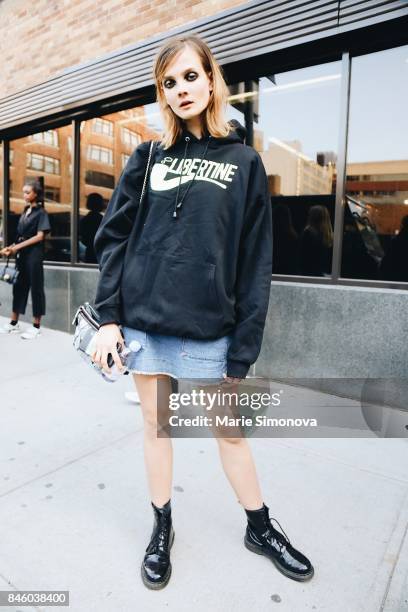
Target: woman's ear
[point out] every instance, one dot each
(211, 85)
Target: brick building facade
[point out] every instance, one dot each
(40, 40)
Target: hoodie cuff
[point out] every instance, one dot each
(237, 369)
(108, 315)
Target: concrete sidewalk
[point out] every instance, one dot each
(75, 511)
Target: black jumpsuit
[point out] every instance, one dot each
(29, 262)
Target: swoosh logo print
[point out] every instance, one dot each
(160, 181)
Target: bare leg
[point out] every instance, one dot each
(158, 452)
(237, 461)
(14, 316)
(239, 468)
(36, 320)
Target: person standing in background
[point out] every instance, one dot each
(89, 225)
(316, 243)
(32, 227)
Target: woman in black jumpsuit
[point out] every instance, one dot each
(29, 250)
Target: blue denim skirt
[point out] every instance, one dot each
(179, 357)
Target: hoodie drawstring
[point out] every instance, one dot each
(178, 204)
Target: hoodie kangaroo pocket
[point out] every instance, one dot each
(169, 292)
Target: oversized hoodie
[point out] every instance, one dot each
(196, 260)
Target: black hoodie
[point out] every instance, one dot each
(196, 264)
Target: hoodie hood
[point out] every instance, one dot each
(237, 134)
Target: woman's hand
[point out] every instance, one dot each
(106, 339)
(8, 251)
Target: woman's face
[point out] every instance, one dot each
(185, 80)
(29, 194)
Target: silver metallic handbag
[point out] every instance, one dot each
(86, 322)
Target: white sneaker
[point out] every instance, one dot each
(31, 333)
(133, 397)
(10, 329)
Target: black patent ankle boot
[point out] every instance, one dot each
(262, 538)
(156, 566)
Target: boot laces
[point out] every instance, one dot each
(277, 532)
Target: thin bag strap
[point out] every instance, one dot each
(147, 170)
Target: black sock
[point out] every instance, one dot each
(257, 518)
(36, 325)
(13, 323)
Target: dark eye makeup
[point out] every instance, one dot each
(171, 81)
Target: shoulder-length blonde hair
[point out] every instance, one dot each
(215, 121)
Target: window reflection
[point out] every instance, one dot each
(101, 154)
(49, 137)
(130, 138)
(295, 118)
(106, 145)
(43, 163)
(102, 126)
(375, 241)
(45, 156)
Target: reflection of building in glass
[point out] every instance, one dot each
(298, 174)
(47, 155)
(102, 126)
(383, 187)
(50, 137)
(106, 145)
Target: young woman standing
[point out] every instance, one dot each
(29, 250)
(189, 282)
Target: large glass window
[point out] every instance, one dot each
(49, 137)
(45, 156)
(130, 138)
(43, 163)
(106, 145)
(375, 241)
(102, 126)
(101, 154)
(296, 124)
